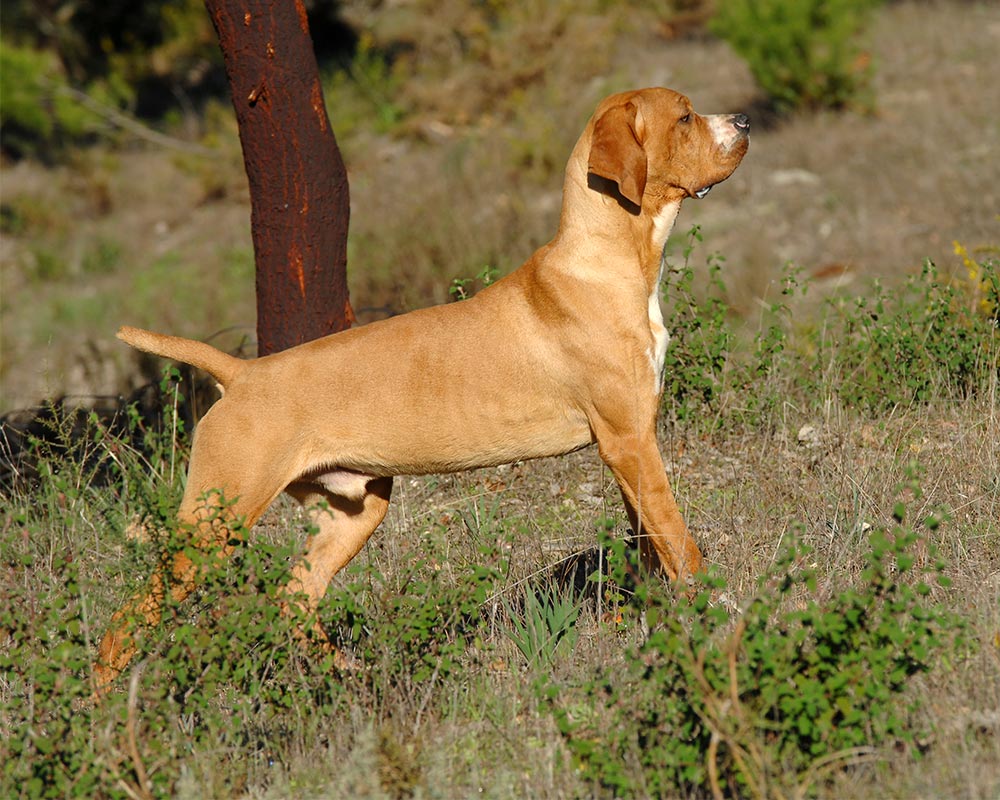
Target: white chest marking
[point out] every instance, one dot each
(658, 352)
(663, 224)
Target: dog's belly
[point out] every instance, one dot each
(441, 445)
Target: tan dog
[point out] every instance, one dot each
(566, 351)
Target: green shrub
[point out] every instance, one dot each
(768, 700)
(464, 288)
(224, 679)
(931, 338)
(802, 53)
(48, 749)
(700, 335)
(80, 469)
(413, 628)
(224, 665)
(38, 112)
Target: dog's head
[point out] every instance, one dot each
(650, 143)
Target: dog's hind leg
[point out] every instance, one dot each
(222, 498)
(342, 526)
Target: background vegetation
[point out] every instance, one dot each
(807, 54)
(830, 424)
(468, 107)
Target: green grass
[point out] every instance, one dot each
(845, 644)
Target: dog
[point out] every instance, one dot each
(566, 351)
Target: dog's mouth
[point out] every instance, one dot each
(700, 193)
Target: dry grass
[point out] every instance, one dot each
(812, 469)
(823, 476)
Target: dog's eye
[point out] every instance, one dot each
(685, 119)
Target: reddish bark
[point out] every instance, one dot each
(300, 203)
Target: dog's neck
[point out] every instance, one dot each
(626, 229)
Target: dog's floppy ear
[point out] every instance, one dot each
(615, 151)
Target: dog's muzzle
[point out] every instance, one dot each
(741, 122)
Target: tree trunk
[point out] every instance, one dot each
(298, 184)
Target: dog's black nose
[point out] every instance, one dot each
(742, 122)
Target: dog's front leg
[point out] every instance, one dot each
(635, 461)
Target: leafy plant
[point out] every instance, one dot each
(982, 281)
(814, 671)
(413, 627)
(464, 288)
(83, 467)
(48, 749)
(545, 628)
(769, 700)
(364, 91)
(802, 53)
(39, 112)
(930, 338)
(700, 336)
(103, 56)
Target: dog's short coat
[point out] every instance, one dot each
(566, 351)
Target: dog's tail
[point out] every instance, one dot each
(221, 366)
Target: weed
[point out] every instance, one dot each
(812, 673)
(44, 626)
(365, 92)
(46, 632)
(413, 627)
(770, 700)
(546, 628)
(463, 288)
(38, 117)
(931, 337)
(700, 336)
(982, 280)
(928, 339)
